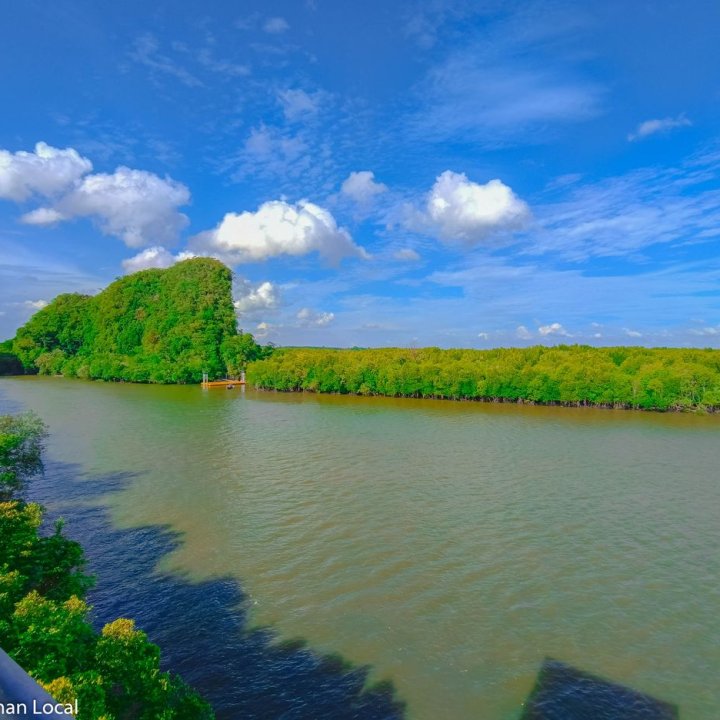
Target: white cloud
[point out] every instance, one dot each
(276, 25)
(263, 330)
(632, 333)
(361, 187)
(483, 335)
(36, 304)
(307, 317)
(253, 300)
(134, 205)
(42, 216)
(553, 329)
(48, 171)
(407, 255)
(706, 331)
(278, 228)
(298, 103)
(459, 209)
(662, 125)
(523, 333)
(152, 257)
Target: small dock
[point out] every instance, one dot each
(228, 383)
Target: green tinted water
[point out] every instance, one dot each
(450, 545)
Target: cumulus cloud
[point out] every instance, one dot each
(523, 333)
(297, 103)
(278, 228)
(361, 187)
(253, 300)
(276, 25)
(406, 255)
(36, 304)
(553, 329)
(461, 210)
(662, 125)
(307, 318)
(632, 333)
(154, 257)
(483, 335)
(47, 171)
(137, 206)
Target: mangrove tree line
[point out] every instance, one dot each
(630, 377)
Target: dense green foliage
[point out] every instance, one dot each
(632, 377)
(115, 675)
(164, 326)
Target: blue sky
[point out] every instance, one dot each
(471, 174)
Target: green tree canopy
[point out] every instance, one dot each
(155, 325)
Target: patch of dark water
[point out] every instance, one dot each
(202, 628)
(563, 692)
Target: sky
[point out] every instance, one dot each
(385, 173)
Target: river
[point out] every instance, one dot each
(449, 546)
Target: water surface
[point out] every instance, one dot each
(452, 546)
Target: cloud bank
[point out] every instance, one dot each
(136, 206)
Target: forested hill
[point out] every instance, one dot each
(631, 377)
(152, 326)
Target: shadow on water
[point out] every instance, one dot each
(202, 628)
(563, 692)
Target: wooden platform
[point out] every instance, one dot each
(222, 383)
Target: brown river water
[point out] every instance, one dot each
(450, 546)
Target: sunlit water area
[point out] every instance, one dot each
(451, 546)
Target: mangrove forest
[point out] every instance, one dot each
(623, 377)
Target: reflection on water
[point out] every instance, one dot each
(449, 546)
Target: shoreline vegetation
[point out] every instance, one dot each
(44, 625)
(660, 379)
(171, 326)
